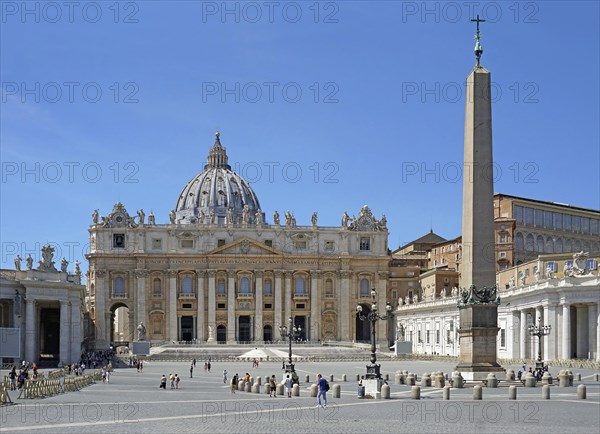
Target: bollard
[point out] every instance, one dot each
(259, 381)
(402, 378)
(344, 377)
(385, 392)
(307, 378)
(570, 374)
(267, 388)
(577, 377)
(510, 375)
(386, 377)
(337, 391)
(512, 392)
(331, 378)
(240, 385)
(314, 390)
(425, 380)
(581, 392)
(563, 379)
(252, 380)
(357, 377)
(491, 380)
(545, 392)
(256, 387)
(267, 379)
(447, 393)
(439, 380)
(248, 387)
(296, 390)
(546, 378)
(530, 380)
(458, 381)
(415, 392)
(280, 389)
(477, 392)
(411, 380)
(397, 378)
(596, 377)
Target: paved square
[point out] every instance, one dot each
(133, 402)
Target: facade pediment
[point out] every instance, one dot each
(245, 246)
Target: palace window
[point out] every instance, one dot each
(268, 288)
(186, 285)
(364, 287)
(221, 287)
(299, 286)
(365, 243)
(592, 264)
(244, 285)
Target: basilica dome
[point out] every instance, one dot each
(217, 195)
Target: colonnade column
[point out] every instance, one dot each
(314, 305)
(550, 347)
(582, 332)
(515, 332)
(598, 331)
(76, 328)
(592, 330)
(231, 323)
(65, 335)
(382, 325)
(523, 335)
(212, 307)
(277, 300)
(140, 309)
(566, 331)
(200, 306)
(172, 332)
(258, 312)
(102, 291)
(31, 329)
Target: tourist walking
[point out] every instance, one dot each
(234, 383)
(191, 370)
(172, 380)
(163, 382)
(288, 386)
(224, 376)
(272, 387)
(323, 386)
(177, 379)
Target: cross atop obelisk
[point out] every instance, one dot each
(478, 47)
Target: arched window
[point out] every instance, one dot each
(519, 241)
(221, 287)
(156, 287)
(329, 288)
(268, 287)
(577, 246)
(244, 285)
(119, 286)
(364, 287)
(529, 243)
(568, 245)
(549, 245)
(539, 243)
(586, 246)
(299, 286)
(558, 246)
(186, 285)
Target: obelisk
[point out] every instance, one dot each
(478, 301)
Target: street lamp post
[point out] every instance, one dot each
(291, 332)
(539, 330)
(373, 370)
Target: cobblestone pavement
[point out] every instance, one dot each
(133, 403)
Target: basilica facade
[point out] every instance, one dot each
(218, 272)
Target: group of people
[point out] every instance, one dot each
(17, 380)
(538, 373)
(174, 380)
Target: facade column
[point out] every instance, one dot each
(592, 330)
(288, 295)
(131, 327)
(523, 335)
(102, 292)
(383, 325)
(212, 307)
(140, 309)
(31, 330)
(76, 326)
(582, 333)
(200, 306)
(231, 320)
(258, 311)
(566, 331)
(277, 301)
(549, 346)
(515, 331)
(65, 335)
(314, 305)
(344, 308)
(173, 323)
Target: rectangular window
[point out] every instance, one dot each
(557, 221)
(502, 267)
(365, 243)
(268, 306)
(300, 245)
(576, 221)
(527, 272)
(437, 337)
(187, 244)
(502, 338)
(186, 305)
(410, 273)
(419, 337)
(594, 226)
(220, 243)
(566, 222)
(329, 246)
(448, 337)
(592, 264)
(539, 218)
(427, 336)
(300, 305)
(518, 214)
(503, 254)
(503, 238)
(221, 288)
(119, 241)
(548, 219)
(552, 265)
(156, 244)
(221, 306)
(269, 243)
(528, 216)
(585, 225)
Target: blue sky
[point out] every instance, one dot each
(322, 106)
